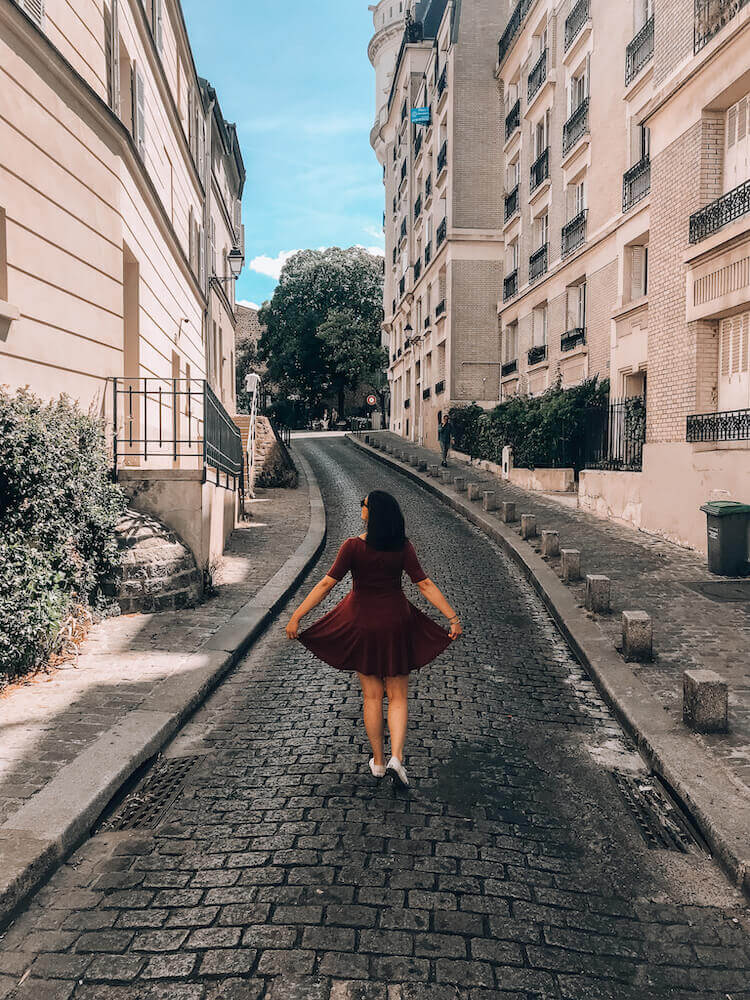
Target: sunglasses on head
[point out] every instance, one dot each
(364, 502)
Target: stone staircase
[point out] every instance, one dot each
(273, 465)
(157, 571)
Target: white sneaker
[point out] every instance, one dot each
(397, 771)
(378, 770)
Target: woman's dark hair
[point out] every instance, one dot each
(385, 523)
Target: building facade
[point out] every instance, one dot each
(443, 219)
(116, 170)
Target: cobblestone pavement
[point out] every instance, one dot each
(283, 871)
(653, 575)
(47, 722)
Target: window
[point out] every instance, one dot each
(510, 343)
(541, 227)
(3, 258)
(643, 10)
(638, 272)
(512, 175)
(157, 23)
(212, 246)
(737, 153)
(138, 106)
(576, 199)
(541, 134)
(640, 143)
(112, 57)
(512, 261)
(34, 9)
(579, 87)
(539, 329)
(576, 307)
(734, 377)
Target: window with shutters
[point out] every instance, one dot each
(212, 246)
(539, 328)
(34, 9)
(510, 343)
(576, 306)
(579, 87)
(638, 264)
(640, 143)
(124, 106)
(192, 249)
(737, 152)
(541, 230)
(3, 258)
(201, 257)
(138, 102)
(643, 11)
(734, 362)
(157, 23)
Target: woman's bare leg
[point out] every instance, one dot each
(372, 689)
(397, 689)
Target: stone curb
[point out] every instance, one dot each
(719, 811)
(59, 817)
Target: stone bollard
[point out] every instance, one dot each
(414, 461)
(508, 512)
(550, 544)
(489, 500)
(571, 565)
(459, 484)
(637, 636)
(528, 526)
(367, 438)
(705, 701)
(445, 476)
(598, 594)
(432, 471)
(422, 465)
(474, 491)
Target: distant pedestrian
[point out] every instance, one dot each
(375, 631)
(445, 437)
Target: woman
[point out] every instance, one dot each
(375, 631)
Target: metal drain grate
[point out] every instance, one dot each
(142, 808)
(661, 822)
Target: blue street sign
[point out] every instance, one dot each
(420, 116)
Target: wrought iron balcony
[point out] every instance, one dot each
(442, 160)
(572, 338)
(442, 230)
(417, 269)
(576, 126)
(537, 354)
(719, 213)
(403, 172)
(636, 184)
(427, 254)
(574, 233)
(512, 28)
(511, 203)
(729, 425)
(509, 368)
(418, 207)
(439, 387)
(426, 393)
(402, 286)
(510, 285)
(427, 323)
(440, 309)
(442, 82)
(393, 307)
(407, 404)
(537, 76)
(513, 119)
(710, 17)
(575, 21)
(538, 263)
(418, 144)
(539, 169)
(640, 51)
(428, 187)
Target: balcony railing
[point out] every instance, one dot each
(512, 28)
(442, 230)
(719, 213)
(403, 171)
(639, 51)
(440, 309)
(539, 169)
(418, 144)
(537, 354)
(710, 17)
(509, 368)
(393, 307)
(575, 21)
(427, 322)
(417, 269)
(511, 203)
(537, 76)
(442, 82)
(427, 254)
(439, 387)
(538, 263)
(158, 423)
(510, 285)
(402, 286)
(402, 231)
(729, 425)
(442, 159)
(428, 187)
(572, 338)
(513, 119)
(574, 233)
(418, 207)
(636, 184)
(576, 126)
(426, 393)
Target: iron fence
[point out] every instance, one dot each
(728, 425)
(719, 213)
(614, 435)
(174, 423)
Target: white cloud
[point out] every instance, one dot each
(248, 304)
(377, 234)
(271, 266)
(375, 251)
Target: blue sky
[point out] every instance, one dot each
(296, 79)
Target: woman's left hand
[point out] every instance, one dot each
(292, 629)
(456, 630)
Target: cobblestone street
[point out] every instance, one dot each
(513, 868)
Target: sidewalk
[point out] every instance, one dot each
(135, 681)
(691, 630)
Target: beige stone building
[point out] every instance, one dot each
(443, 229)
(120, 185)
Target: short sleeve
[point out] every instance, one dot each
(343, 562)
(411, 564)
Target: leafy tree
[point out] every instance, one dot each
(322, 326)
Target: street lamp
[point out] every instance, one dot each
(251, 382)
(236, 259)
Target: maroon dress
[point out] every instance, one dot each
(375, 630)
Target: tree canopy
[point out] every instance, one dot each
(322, 326)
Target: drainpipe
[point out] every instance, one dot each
(207, 184)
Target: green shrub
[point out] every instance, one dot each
(58, 511)
(544, 431)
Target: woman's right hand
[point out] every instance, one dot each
(456, 630)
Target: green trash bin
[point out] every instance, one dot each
(727, 537)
